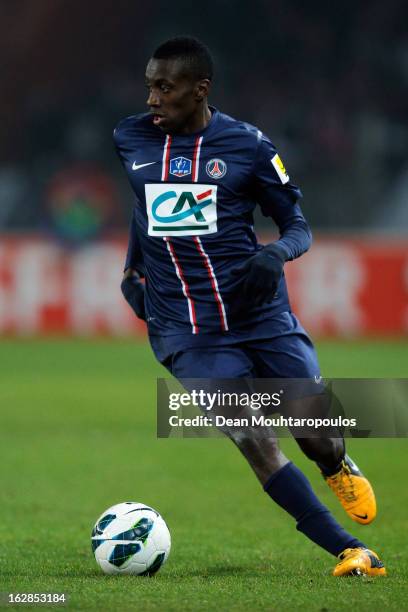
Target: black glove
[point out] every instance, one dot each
(261, 274)
(134, 292)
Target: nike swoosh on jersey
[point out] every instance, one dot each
(136, 166)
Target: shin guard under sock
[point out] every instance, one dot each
(291, 490)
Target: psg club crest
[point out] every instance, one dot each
(216, 168)
(180, 166)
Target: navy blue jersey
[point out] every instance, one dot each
(193, 221)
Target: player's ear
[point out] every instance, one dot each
(202, 89)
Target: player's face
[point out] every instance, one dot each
(174, 97)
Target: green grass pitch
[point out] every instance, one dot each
(78, 435)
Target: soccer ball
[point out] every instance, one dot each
(130, 538)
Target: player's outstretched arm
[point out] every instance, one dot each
(132, 288)
(277, 197)
(134, 292)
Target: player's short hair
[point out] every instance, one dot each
(192, 52)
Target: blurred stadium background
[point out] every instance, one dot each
(328, 84)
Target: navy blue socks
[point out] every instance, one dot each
(292, 491)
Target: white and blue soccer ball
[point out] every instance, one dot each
(130, 538)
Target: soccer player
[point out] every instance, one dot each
(215, 301)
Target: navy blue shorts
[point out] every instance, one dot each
(293, 357)
(290, 354)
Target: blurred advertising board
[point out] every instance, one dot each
(341, 288)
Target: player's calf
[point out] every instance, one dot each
(263, 454)
(328, 453)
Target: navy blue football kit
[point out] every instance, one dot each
(215, 300)
(192, 231)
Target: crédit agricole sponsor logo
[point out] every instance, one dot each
(181, 209)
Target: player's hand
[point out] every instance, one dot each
(134, 293)
(261, 274)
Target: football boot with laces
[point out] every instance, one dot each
(354, 492)
(359, 562)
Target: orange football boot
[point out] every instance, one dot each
(354, 492)
(359, 562)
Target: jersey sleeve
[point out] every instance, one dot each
(121, 139)
(117, 138)
(117, 141)
(134, 257)
(278, 198)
